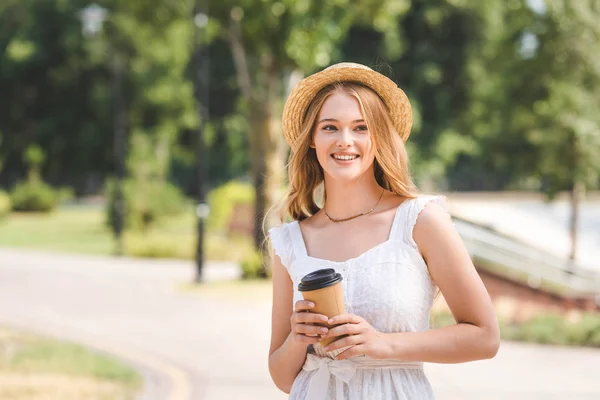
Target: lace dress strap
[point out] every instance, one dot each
(282, 244)
(407, 215)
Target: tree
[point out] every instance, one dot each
(538, 117)
(274, 43)
(568, 134)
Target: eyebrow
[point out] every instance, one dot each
(335, 120)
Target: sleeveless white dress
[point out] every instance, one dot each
(390, 287)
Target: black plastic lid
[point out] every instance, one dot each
(319, 279)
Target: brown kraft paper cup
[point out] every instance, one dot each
(324, 288)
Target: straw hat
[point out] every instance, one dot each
(299, 99)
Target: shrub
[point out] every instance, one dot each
(222, 201)
(146, 202)
(586, 331)
(545, 328)
(5, 205)
(33, 195)
(253, 266)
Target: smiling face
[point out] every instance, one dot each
(343, 144)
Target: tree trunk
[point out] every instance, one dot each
(268, 160)
(267, 149)
(577, 191)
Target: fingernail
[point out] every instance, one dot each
(323, 330)
(324, 318)
(331, 321)
(326, 348)
(311, 304)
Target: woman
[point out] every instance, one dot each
(395, 248)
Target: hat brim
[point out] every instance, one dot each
(299, 99)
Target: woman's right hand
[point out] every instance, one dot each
(302, 319)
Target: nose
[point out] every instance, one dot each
(345, 138)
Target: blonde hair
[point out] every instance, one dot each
(391, 160)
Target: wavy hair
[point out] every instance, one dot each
(305, 174)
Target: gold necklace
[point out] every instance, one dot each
(356, 216)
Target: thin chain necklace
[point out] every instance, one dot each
(356, 216)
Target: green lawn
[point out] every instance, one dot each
(81, 229)
(35, 367)
(70, 229)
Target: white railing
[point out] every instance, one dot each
(513, 259)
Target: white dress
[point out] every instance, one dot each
(390, 287)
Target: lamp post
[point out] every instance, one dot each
(92, 18)
(200, 77)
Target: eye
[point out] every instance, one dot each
(362, 128)
(329, 128)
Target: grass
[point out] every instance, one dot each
(35, 367)
(235, 291)
(82, 229)
(68, 229)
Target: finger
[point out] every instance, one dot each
(303, 305)
(354, 351)
(345, 329)
(308, 317)
(344, 342)
(307, 339)
(345, 319)
(310, 329)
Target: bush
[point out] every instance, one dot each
(585, 332)
(545, 328)
(223, 199)
(253, 266)
(32, 196)
(146, 202)
(5, 205)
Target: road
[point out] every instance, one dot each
(213, 344)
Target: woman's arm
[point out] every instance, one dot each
(286, 355)
(476, 334)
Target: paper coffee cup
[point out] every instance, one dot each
(324, 288)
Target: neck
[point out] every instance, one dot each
(346, 199)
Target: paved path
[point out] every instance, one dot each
(208, 345)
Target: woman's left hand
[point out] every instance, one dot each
(364, 339)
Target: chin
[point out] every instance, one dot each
(345, 176)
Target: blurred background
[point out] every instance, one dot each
(141, 149)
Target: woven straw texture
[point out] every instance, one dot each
(299, 99)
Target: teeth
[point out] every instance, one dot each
(345, 158)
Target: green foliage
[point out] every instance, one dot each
(5, 205)
(34, 196)
(545, 328)
(586, 331)
(34, 156)
(500, 91)
(222, 201)
(146, 202)
(253, 266)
